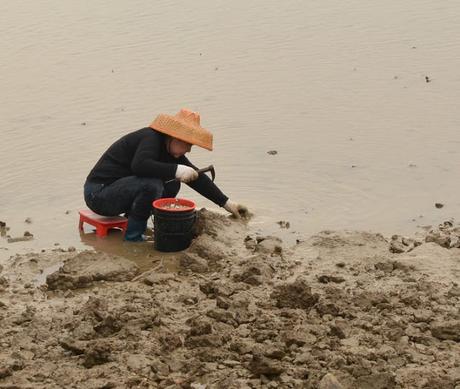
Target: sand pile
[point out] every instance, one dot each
(338, 310)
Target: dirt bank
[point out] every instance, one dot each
(338, 310)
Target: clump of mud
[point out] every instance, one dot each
(338, 310)
(446, 234)
(83, 269)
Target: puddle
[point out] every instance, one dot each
(41, 278)
(142, 254)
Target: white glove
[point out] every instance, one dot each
(237, 210)
(186, 173)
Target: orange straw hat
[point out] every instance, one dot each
(185, 125)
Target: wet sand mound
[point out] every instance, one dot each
(85, 268)
(340, 310)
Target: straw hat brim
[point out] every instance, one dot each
(185, 131)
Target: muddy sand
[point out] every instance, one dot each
(337, 310)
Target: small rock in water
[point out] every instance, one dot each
(439, 205)
(3, 228)
(284, 224)
(272, 152)
(20, 239)
(28, 220)
(446, 224)
(27, 233)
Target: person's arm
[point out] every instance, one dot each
(204, 186)
(208, 189)
(145, 162)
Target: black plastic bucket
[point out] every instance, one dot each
(173, 224)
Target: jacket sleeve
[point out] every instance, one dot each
(204, 186)
(145, 162)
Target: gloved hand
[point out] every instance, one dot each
(237, 210)
(186, 173)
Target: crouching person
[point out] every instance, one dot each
(149, 164)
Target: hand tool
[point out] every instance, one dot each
(210, 169)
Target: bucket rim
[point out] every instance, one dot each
(187, 205)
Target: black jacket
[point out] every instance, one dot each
(143, 153)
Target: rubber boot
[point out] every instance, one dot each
(135, 230)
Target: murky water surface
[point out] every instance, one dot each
(359, 100)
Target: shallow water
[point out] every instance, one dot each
(364, 139)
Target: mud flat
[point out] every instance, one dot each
(338, 310)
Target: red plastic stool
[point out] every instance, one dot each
(102, 223)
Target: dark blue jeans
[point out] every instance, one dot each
(131, 195)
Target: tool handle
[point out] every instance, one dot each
(205, 169)
(202, 170)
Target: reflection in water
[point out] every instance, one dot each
(142, 253)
